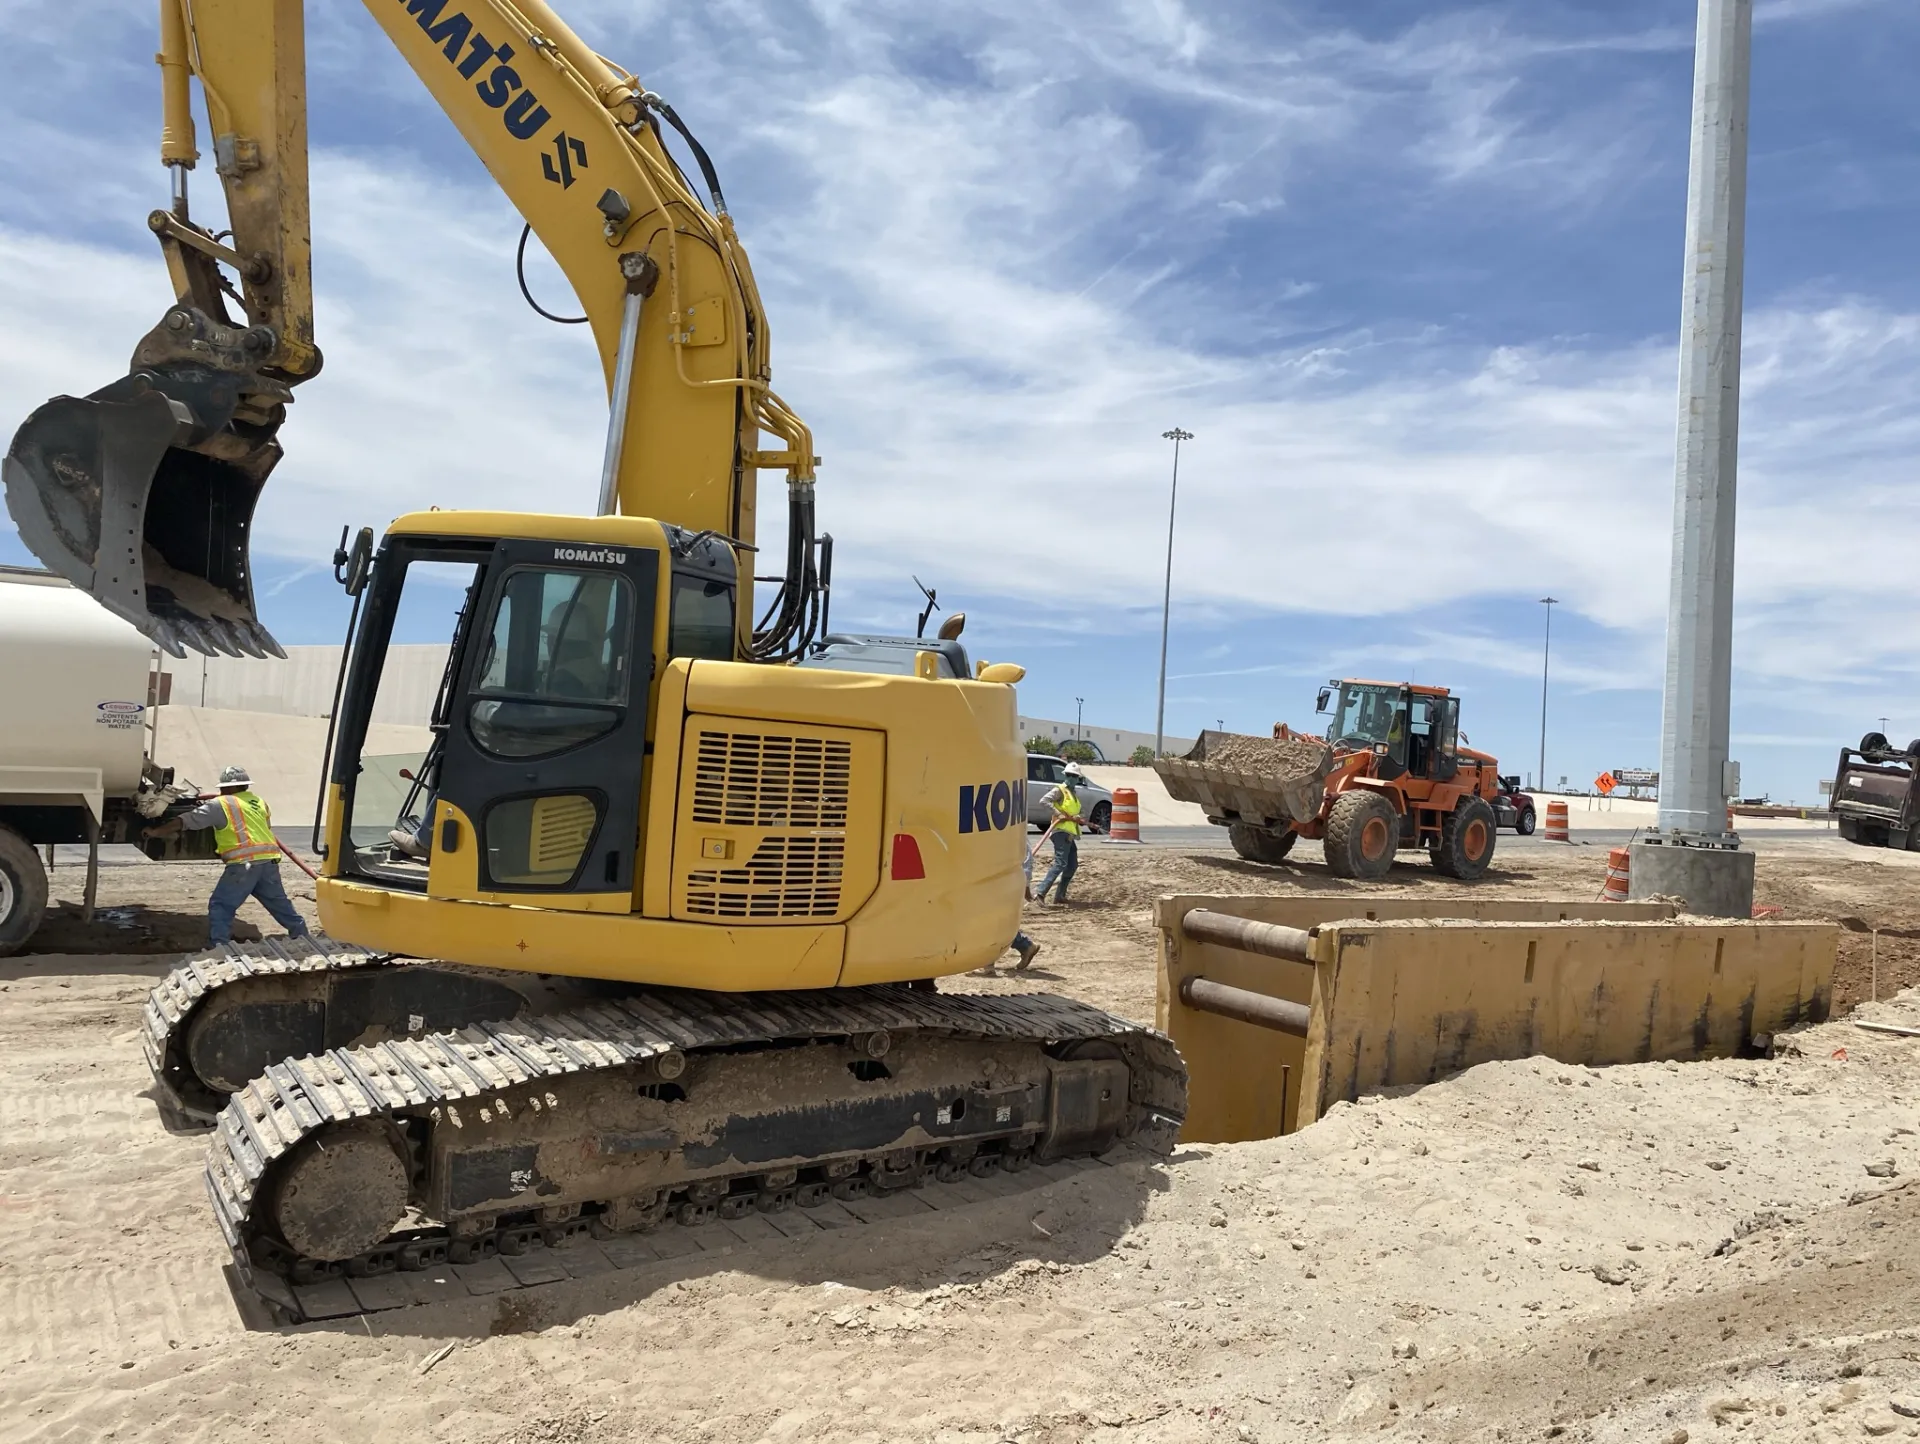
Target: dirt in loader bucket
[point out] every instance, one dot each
(1282, 759)
(142, 494)
(1264, 781)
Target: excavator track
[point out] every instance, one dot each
(416, 1156)
(222, 1016)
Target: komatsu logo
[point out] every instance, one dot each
(502, 88)
(990, 806)
(585, 554)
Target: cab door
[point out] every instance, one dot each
(538, 789)
(1446, 738)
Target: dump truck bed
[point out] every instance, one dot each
(1268, 782)
(1873, 798)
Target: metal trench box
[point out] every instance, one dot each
(1284, 1005)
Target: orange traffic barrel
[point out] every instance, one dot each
(1557, 822)
(1126, 815)
(1618, 863)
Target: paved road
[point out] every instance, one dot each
(1757, 840)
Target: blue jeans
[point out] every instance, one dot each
(1066, 862)
(423, 834)
(243, 880)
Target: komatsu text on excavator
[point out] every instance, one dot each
(659, 941)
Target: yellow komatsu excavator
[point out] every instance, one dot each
(660, 944)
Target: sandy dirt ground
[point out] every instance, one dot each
(1526, 1251)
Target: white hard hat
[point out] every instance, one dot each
(234, 776)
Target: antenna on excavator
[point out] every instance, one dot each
(933, 603)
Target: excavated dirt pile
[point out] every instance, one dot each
(1652, 1254)
(1292, 760)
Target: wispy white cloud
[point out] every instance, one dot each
(1005, 246)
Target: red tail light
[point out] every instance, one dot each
(906, 858)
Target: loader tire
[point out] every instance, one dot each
(1257, 844)
(1363, 832)
(1873, 742)
(23, 891)
(1466, 841)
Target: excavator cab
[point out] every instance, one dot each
(529, 788)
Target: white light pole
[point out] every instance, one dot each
(1693, 852)
(1079, 718)
(1176, 436)
(1546, 656)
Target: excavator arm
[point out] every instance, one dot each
(143, 492)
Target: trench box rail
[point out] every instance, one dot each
(1354, 996)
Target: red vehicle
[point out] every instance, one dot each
(1512, 807)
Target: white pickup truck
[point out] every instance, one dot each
(77, 691)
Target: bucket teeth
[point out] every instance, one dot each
(163, 633)
(142, 493)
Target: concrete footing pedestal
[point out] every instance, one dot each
(1716, 882)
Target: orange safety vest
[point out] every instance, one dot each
(246, 834)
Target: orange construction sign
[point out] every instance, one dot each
(1604, 784)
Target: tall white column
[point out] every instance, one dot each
(1693, 854)
(1693, 742)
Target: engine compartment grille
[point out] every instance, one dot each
(787, 877)
(766, 780)
(795, 789)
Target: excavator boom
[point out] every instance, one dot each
(143, 492)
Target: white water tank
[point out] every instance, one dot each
(73, 683)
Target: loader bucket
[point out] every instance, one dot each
(130, 494)
(1262, 780)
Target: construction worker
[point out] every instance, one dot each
(1065, 804)
(243, 833)
(1022, 944)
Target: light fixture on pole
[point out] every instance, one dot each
(1546, 656)
(1176, 436)
(1079, 718)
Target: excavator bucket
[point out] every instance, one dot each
(143, 493)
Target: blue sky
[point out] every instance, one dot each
(1410, 272)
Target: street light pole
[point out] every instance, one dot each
(1693, 852)
(1079, 718)
(1176, 436)
(1546, 656)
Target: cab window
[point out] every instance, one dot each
(1365, 715)
(701, 621)
(555, 665)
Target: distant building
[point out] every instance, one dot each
(1113, 744)
(302, 686)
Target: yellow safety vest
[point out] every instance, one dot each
(1070, 805)
(246, 834)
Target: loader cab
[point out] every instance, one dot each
(1411, 731)
(495, 714)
